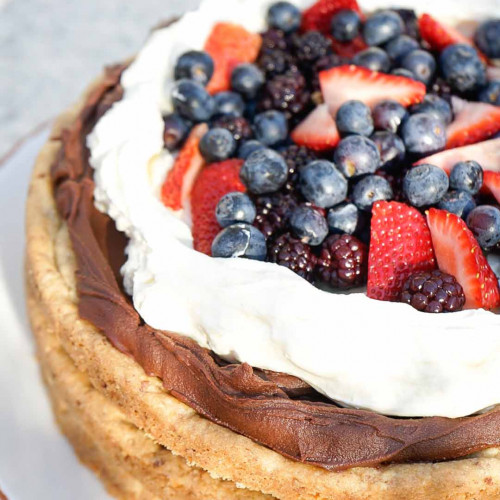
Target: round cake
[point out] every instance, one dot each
(262, 256)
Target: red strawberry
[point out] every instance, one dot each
(180, 178)
(348, 49)
(486, 153)
(458, 253)
(230, 45)
(474, 122)
(344, 83)
(400, 245)
(318, 17)
(438, 35)
(318, 131)
(491, 184)
(211, 185)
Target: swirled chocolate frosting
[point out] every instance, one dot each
(273, 409)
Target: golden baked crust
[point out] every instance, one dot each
(144, 402)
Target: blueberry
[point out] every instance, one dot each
(343, 218)
(484, 222)
(422, 64)
(487, 38)
(388, 115)
(391, 148)
(433, 104)
(403, 72)
(247, 79)
(240, 240)
(284, 16)
(271, 127)
(248, 147)
(424, 133)
(354, 117)
(382, 27)
(425, 185)
(491, 93)
(195, 65)
(345, 25)
(192, 101)
(233, 208)
(322, 184)
(370, 189)
(309, 225)
(398, 47)
(467, 176)
(229, 103)
(217, 144)
(457, 202)
(373, 58)
(462, 68)
(175, 131)
(264, 171)
(356, 155)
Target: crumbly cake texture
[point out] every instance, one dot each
(85, 373)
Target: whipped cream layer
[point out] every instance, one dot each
(382, 356)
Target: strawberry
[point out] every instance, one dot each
(318, 131)
(344, 83)
(486, 153)
(230, 45)
(438, 35)
(211, 185)
(348, 49)
(474, 122)
(181, 176)
(400, 245)
(318, 17)
(459, 254)
(491, 184)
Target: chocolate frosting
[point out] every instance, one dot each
(276, 410)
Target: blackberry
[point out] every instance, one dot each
(441, 88)
(274, 39)
(296, 157)
(237, 125)
(323, 63)
(311, 46)
(343, 261)
(433, 292)
(290, 252)
(276, 62)
(410, 21)
(273, 212)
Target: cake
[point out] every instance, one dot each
(311, 367)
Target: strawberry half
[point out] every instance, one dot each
(459, 254)
(230, 45)
(400, 245)
(211, 185)
(318, 131)
(438, 35)
(491, 184)
(318, 17)
(344, 83)
(180, 178)
(474, 122)
(486, 153)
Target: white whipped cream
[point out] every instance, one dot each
(383, 356)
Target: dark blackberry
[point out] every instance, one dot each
(441, 88)
(343, 261)
(410, 20)
(395, 179)
(296, 157)
(290, 252)
(310, 47)
(273, 212)
(276, 62)
(433, 292)
(323, 63)
(237, 125)
(274, 39)
(287, 93)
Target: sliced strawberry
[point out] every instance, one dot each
(344, 83)
(491, 184)
(211, 185)
(318, 17)
(318, 131)
(438, 35)
(348, 49)
(229, 45)
(474, 122)
(486, 153)
(400, 245)
(459, 254)
(181, 176)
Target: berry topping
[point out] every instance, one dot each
(354, 117)
(388, 115)
(273, 212)
(400, 46)
(277, 62)
(229, 45)
(248, 147)
(217, 144)
(491, 93)
(284, 16)
(319, 16)
(342, 262)
(373, 58)
(233, 208)
(308, 225)
(212, 183)
(467, 176)
(409, 17)
(264, 171)
(459, 254)
(229, 104)
(356, 155)
(438, 35)
(345, 25)
(484, 222)
(424, 133)
(421, 64)
(435, 105)
(425, 185)
(348, 49)
(487, 38)
(433, 292)
(240, 240)
(311, 46)
(296, 157)
(194, 65)
(457, 202)
(391, 148)
(382, 27)
(343, 218)
(192, 101)
(292, 253)
(371, 189)
(491, 184)
(181, 177)
(238, 126)
(247, 79)
(271, 127)
(400, 246)
(175, 131)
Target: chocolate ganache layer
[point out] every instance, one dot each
(276, 410)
